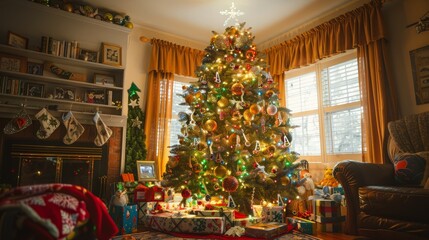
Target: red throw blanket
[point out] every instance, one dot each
(59, 208)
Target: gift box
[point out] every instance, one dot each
(321, 219)
(257, 210)
(339, 190)
(266, 230)
(228, 214)
(303, 225)
(326, 208)
(330, 227)
(125, 218)
(185, 223)
(246, 222)
(273, 214)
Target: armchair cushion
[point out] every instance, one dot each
(401, 203)
(411, 168)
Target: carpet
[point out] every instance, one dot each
(153, 235)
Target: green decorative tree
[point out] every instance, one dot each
(235, 139)
(135, 140)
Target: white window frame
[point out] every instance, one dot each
(321, 111)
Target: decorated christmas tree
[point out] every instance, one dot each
(235, 138)
(135, 140)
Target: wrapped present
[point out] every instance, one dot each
(327, 208)
(329, 227)
(273, 214)
(321, 219)
(338, 189)
(125, 218)
(185, 223)
(303, 225)
(228, 214)
(257, 210)
(266, 230)
(140, 193)
(155, 194)
(246, 222)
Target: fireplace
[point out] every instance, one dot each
(27, 160)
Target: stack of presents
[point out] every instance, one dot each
(322, 208)
(153, 208)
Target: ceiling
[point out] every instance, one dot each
(195, 19)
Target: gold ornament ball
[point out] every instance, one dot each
(210, 125)
(254, 108)
(285, 181)
(271, 110)
(223, 102)
(129, 25)
(269, 181)
(237, 88)
(108, 17)
(269, 93)
(248, 116)
(220, 171)
(189, 98)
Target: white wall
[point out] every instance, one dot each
(397, 15)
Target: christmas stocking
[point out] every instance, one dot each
(73, 127)
(48, 124)
(103, 131)
(18, 123)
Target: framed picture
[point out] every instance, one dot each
(13, 63)
(97, 96)
(104, 79)
(35, 90)
(420, 68)
(146, 171)
(35, 68)
(111, 54)
(16, 40)
(65, 93)
(88, 55)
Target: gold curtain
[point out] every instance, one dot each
(167, 59)
(361, 28)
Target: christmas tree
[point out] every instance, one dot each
(135, 140)
(235, 138)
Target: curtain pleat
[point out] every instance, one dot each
(167, 59)
(361, 28)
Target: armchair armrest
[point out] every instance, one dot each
(352, 175)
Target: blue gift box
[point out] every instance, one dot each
(125, 218)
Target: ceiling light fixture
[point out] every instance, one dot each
(232, 13)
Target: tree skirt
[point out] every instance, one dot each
(152, 235)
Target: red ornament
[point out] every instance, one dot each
(186, 193)
(230, 184)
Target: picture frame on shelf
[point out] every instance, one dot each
(16, 40)
(35, 68)
(88, 55)
(104, 79)
(97, 96)
(35, 89)
(146, 171)
(111, 54)
(68, 94)
(420, 69)
(13, 63)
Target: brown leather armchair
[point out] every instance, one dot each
(377, 206)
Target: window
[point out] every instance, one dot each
(326, 107)
(174, 124)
